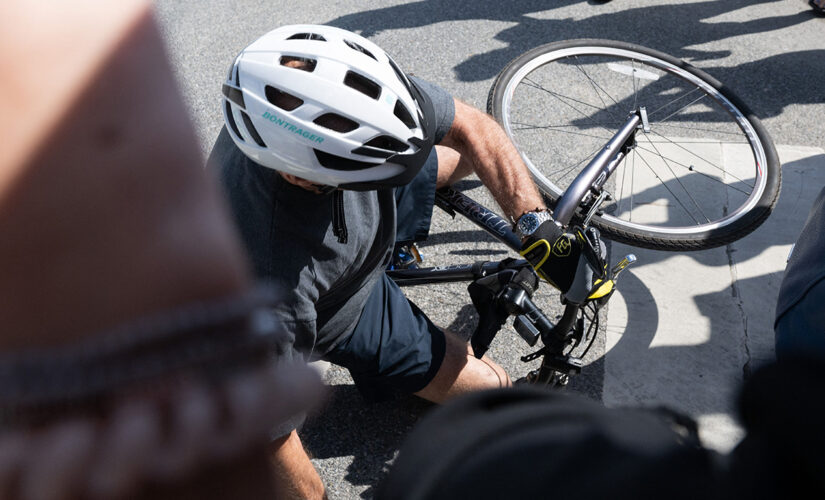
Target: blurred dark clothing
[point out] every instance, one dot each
(532, 443)
(800, 308)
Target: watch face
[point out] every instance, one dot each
(528, 223)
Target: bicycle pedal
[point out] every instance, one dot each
(556, 380)
(569, 365)
(559, 380)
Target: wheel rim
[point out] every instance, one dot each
(645, 68)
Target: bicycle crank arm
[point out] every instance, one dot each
(555, 371)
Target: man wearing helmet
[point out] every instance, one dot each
(330, 156)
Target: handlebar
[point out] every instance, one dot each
(508, 293)
(531, 322)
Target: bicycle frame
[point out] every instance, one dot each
(589, 181)
(600, 168)
(584, 193)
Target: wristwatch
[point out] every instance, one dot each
(529, 222)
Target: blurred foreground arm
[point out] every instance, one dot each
(107, 217)
(104, 207)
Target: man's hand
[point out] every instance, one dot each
(566, 260)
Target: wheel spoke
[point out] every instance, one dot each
(559, 129)
(670, 103)
(575, 165)
(708, 162)
(562, 97)
(679, 181)
(698, 172)
(700, 129)
(668, 117)
(565, 100)
(664, 185)
(596, 88)
(571, 95)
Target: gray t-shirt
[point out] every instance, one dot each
(288, 233)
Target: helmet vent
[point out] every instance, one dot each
(252, 131)
(233, 74)
(362, 84)
(336, 122)
(334, 162)
(302, 63)
(281, 99)
(400, 74)
(231, 120)
(359, 48)
(387, 142)
(307, 36)
(403, 114)
(234, 94)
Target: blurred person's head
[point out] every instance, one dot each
(135, 360)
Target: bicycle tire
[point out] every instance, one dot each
(728, 198)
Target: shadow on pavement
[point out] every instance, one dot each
(372, 444)
(674, 29)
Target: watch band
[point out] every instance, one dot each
(529, 222)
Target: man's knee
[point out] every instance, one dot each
(484, 370)
(461, 372)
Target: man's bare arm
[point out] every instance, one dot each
(107, 216)
(485, 149)
(105, 209)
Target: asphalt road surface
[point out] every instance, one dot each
(771, 53)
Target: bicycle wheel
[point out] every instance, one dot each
(705, 173)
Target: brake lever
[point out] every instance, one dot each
(605, 288)
(622, 264)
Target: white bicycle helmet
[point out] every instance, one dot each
(328, 106)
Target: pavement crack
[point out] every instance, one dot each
(737, 299)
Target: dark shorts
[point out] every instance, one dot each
(798, 330)
(395, 349)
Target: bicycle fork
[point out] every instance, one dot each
(593, 177)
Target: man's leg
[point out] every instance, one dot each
(294, 475)
(461, 372)
(395, 349)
